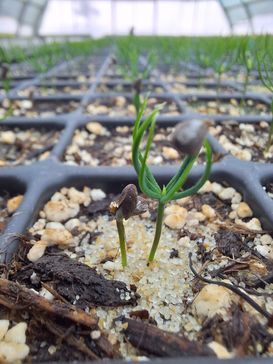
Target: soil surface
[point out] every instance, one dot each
(96, 309)
(232, 108)
(122, 106)
(112, 147)
(25, 146)
(31, 108)
(105, 88)
(258, 88)
(178, 76)
(183, 88)
(51, 90)
(246, 141)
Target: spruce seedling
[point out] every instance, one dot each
(265, 69)
(131, 68)
(5, 62)
(246, 56)
(188, 138)
(127, 204)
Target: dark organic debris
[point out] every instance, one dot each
(229, 243)
(234, 289)
(15, 296)
(262, 282)
(241, 332)
(142, 314)
(78, 283)
(98, 207)
(174, 253)
(203, 254)
(222, 207)
(155, 342)
(59, 318)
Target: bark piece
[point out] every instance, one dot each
(159, 343)
(15, 296)
(78, 283)
(71, 340)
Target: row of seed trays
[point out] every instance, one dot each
(136, 202)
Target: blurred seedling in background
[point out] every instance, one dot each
(132, 69)
(5, 63)
(246, 57)
(222, 62)
(188, 137)
(265, 69)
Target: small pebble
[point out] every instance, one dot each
(170, 153)
(157, 160)
(237, 198)
(4, 326)
(184, 242)
(120, 101)
(208, 211)
(176, 209)
(97, 194)
(266, 239)
(122, 129)
(244, 210)
(77, 196)
(220, 350)
(175, 221)
(264, 124)
(17, 334)
(55, 225)
(57, 236)
(13, 353)
(216, 188)
(254, 224)
(61, 210)
(265, 251)
(227, 193)
(52, 349)
(96, 128)
(46, 294)
(232, 215)
(26, 104)
(72, 224)
(13, 203)
(207, 187)
(95, 334)
(244, 154)
(7, 137)
(37, 250)
(213, 299)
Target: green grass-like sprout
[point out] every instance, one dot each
(247, 59)
(147, 182)
(265, 69)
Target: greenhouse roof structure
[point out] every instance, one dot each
(102, 17)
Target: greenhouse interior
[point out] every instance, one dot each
(136, 181)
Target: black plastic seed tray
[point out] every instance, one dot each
(40, 180)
